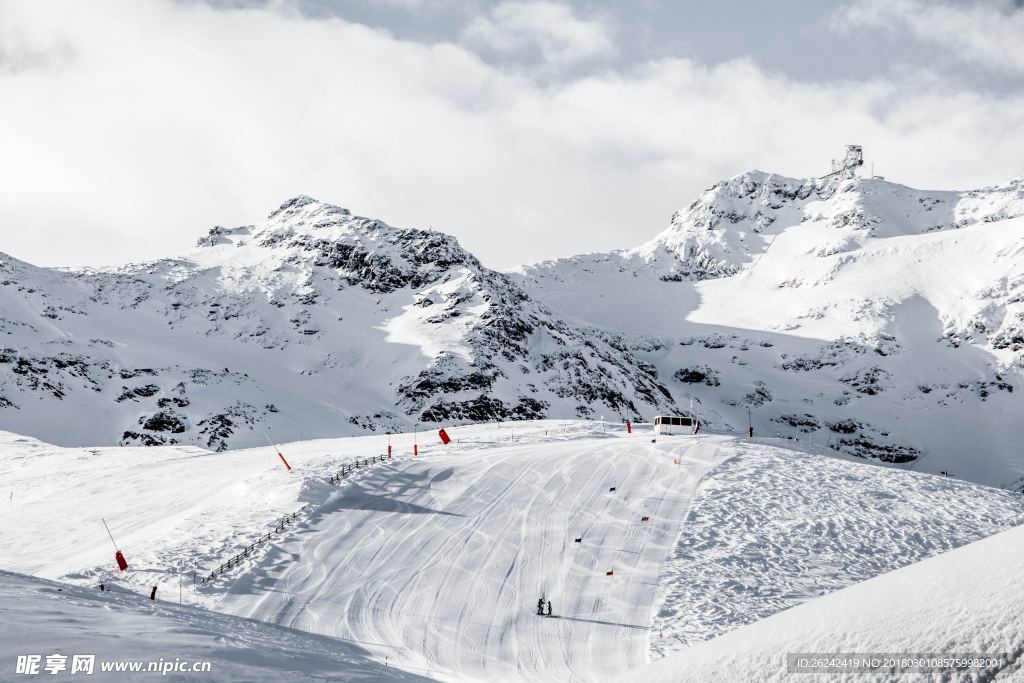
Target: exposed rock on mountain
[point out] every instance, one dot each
(863, 315)
(315, 322)
(868, 317)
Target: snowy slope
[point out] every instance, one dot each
(313, 323)
(964, 601)
(434, 563)
(444, 563)
(416, 558)
(772, 528)
(40, 617)
(884, 321)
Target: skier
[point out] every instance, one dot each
(540, 606)
(549, 608)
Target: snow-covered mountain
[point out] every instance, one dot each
(881, 320)
(314, 323)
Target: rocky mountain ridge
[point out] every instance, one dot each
(315, 322)
(866, 316)
(872, 318)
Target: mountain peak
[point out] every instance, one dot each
(307, 234)
(734, 221)
(305, 205)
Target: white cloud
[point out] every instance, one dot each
(990, 33)
(128, 128)
(548, 27)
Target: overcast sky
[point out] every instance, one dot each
(528, 129)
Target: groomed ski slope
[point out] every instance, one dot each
(439, 565)
(433, 564)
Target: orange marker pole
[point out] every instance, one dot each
(286, 465)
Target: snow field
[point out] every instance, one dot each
(39, 617)
(772, 528)
(965, 601)
(434, 564)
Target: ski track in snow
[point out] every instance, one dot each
(438, 563)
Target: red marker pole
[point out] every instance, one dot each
(286, 465)
(122, 563)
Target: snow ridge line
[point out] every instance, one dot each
(662, 595)
(285, 521)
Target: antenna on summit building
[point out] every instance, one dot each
(853, 160)
(848, 165)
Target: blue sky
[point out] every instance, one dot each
(805, 39)
(529, 129)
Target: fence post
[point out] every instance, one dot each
(281, 525)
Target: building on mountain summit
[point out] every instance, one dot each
(848, 165)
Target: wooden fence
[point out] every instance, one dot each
(283, 523)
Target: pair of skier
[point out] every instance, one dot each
(540, 607)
